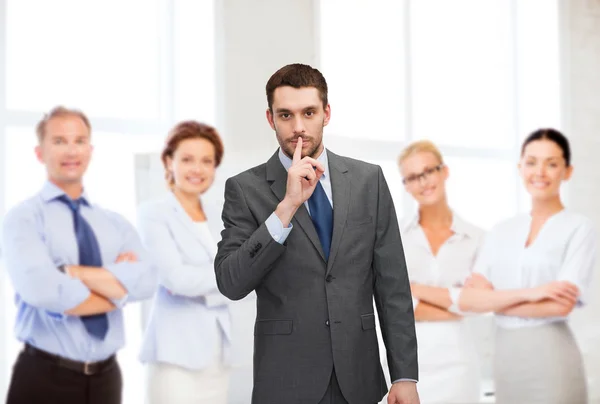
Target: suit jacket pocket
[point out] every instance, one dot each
(368, 321)
(358, 221)
(273, 327)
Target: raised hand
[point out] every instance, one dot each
(303, 176)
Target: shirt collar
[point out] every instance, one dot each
(287, 162)
(458, 226)
(50, 192)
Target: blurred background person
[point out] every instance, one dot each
(188, 336)
(440, 249)
(74, 266)
(552, 252)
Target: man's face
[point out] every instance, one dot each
(299, 112)
(65, 150)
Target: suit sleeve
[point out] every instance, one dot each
(392, 290)
(247, 251)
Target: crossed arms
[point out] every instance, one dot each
(76, 290)
(552, 299)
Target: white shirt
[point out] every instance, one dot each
(454, 260)
(447, 356)
(205, 234)
(564, 249)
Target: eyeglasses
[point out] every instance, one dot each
(416, 178)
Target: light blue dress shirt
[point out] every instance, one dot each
(38, 236)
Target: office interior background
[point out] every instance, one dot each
(474, 76)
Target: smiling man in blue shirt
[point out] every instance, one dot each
(73, 266)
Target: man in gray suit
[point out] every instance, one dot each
(316, 236)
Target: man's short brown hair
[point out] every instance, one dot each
(297, 75)
(58, 112)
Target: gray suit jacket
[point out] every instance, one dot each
(312, 314)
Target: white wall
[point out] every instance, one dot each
(580, 60)
(254, 39)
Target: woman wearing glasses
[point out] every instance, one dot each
(188, 336)
(548, 253)
(440, 250)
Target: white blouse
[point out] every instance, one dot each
(564, 249)
(443, 345)
(205, 233)
(454, 260)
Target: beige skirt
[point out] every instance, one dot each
(171, 384)
(538, 365)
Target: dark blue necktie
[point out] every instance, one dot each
(322, 217)
(89, 255)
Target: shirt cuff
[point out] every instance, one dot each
(404, 380)
(126, 273)
(215, 300)
(454, 298)
(276, 229)
(120, 303)
(415, 303)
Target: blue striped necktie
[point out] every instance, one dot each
(321, 213)
(89, 255)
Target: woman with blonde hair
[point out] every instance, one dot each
(187, 341)
(440, 249)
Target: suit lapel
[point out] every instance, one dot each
(340, 188)
(277, 176)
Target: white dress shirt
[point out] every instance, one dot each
(564, 249)
(448, 361)
(453, 262)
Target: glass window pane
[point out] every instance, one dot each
(23, 174)
(482, 191)
(538, 65)
(114, 158)
(462, 72)
(100, 56)
(394, 182)
(194, 60)
(362, 58)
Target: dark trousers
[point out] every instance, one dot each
(36, 380)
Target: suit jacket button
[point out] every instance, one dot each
(327, 323)
(329, 278)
